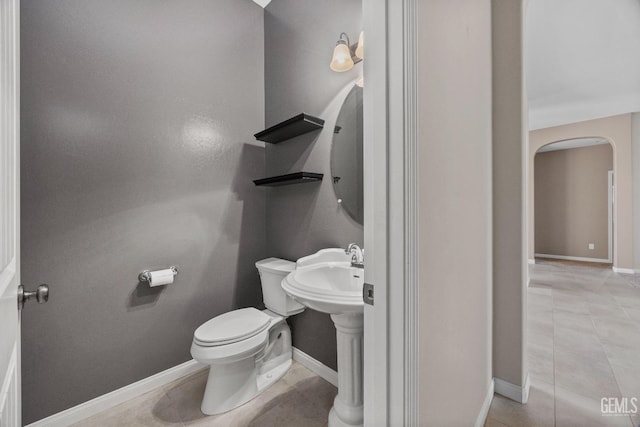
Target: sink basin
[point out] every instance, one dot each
(326, 284)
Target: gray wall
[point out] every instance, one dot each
(455, 209)
(137, 152)
(299, 40)
(510, 126)
(572, 201)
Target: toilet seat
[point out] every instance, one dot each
(233, 352)
(232, 327)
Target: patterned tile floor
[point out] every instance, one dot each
(583, 344)
(300, 398)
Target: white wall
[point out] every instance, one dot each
(581, 60)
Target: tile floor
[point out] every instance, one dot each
(300, 398)
(583, 344)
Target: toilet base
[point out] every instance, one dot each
(240, 371)
(243, 378)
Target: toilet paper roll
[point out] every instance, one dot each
(161, 277)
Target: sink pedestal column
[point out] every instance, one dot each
(347, 407)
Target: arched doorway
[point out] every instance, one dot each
(573, 200)
(616, 131)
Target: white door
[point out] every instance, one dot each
(10, 408)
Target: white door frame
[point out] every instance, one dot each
(390, 181)
(610, 202)
(10, 392)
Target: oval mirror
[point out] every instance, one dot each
(346, 155)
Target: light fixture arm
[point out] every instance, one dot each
(346, 36)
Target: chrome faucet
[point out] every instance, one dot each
(357, 255)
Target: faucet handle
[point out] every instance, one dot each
(357, 255)
(351, 247)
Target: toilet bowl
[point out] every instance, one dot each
(247, 349)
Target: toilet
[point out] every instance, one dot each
(247, 349)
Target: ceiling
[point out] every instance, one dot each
(262, 3)
(582, 60)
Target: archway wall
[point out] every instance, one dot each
(617, 130)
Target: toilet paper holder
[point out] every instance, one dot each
(145, 276)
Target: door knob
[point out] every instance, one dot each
(41, 294)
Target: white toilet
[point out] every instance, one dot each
(247, 349)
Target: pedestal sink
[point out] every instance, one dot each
(326, 282)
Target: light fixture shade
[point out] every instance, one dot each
(341, 60)
(360, 48)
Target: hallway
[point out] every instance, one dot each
(583, 345)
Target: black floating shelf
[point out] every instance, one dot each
(292, 178)
(298, 125)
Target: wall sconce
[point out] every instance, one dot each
(346, 55)
(360, 48)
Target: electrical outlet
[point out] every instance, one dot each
(592, 246)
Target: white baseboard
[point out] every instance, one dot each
(316, 367)
(116, 397)
(573, 258)
(625, 270)
(525, 389)
(532, 261)
(514, 392)
(484, 410)
(131, 391)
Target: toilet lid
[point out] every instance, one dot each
(232, 327)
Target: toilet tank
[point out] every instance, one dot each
(272, 271)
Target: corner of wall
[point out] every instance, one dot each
(635, 154)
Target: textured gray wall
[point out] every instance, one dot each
(301, 219)
(137, 152)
